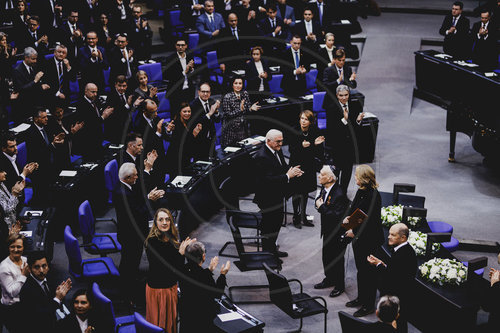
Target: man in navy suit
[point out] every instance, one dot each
(92, 62)
(322, 13)
(58, 73)
(398, 274)
(484, 35)
(210, 23)
(122, 61)
(337, 74)
(40, 298)
(455, 29)
(33, 36)
(273, 178)
(272, 26)
(294, 70)
(71, 35)
(49, 11)
(287, 14)
(309, 30)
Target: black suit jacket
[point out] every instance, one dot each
(292, 86)
(117, 124)
(327, 14)
(333, 210)
(73, 44)
(88, 140)
(484, 50)
(30, 93)
(456, 44)
(399, 275)
(252, 76)
(51, 78)
(330, 84)
(118, 64)
(174, 73)
(300, 29)
(231, 51)
(69, 324)
(41, 308)
(322, 60)
(62, 155)
(208, 132)
(272, 182)
(266, 30)
(39, 151)
(25, 39)
(12, 176)
(43, 9)
(92, 71)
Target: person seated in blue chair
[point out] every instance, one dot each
(387, 314)
(82, 319)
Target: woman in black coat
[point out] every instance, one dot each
(306, 145)
(183, 141)
(367, 238)
(82, 308)
(258, 75)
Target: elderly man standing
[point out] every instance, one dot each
(398, 274)
(332, 204)
(273, 177)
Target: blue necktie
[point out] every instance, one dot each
(454, 21)
(45, 137)
(297, 62)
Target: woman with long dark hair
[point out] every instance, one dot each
(82, 319)
(166, 261)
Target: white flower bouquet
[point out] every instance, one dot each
(418, 240)
(444, 271)
(394, 214)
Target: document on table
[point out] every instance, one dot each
(231, 149)
(230, 316)
(33, 213)
(67, 173)
(20, 128)
(345, 21)
(181, 181)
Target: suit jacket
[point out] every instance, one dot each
(116, 126)
(115, 16)
(330, 83)
(41, 307)
(183, 146)
(327, 14)
(88, 140)
(247, 26)
(322, 60)
(73, 44)
(25, 39)
(231, 51)
(51, 77)
(484, 49)
(288, 14)
(175, 75)
(30, 93)
(252, 76)
(272, 182)
(92, 71)
(293, 86)
(458, 43)
(208, 134)
(333, 211)
(300, 29)
(399, 275)
(62, 154)
(490, 304)
(39, 151)
(12, 176)
(119, 66)
(265, 28)
(43, 9)
(69, 324)
(205, 29)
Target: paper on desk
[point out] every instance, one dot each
(270, 100)
(67, 173)
(20, 128)
(230, 316)
(274, 68)
(231, 149)
(239, 72)
(345, 21)
(260, 138)
(443, 55)
(490, 74)
(249, 141)
(34, 212)
(204, 162)
(27, 233)
(283, 99)
(369, 115)
(112, 146)
(180, 181)
(314, 65)
(308, 97)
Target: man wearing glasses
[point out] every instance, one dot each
(179, 70)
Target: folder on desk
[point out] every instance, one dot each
(355, 220)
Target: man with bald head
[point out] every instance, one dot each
(231, 48)
(92, 61)
(273, 178)
(88, 140)
(398, 274)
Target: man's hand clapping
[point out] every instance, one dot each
(294, 172)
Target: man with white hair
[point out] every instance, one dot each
(332, 204)
(273, 177)
(132, 215)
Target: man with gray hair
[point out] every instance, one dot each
(58, 73)
(387, 314)
(198, 290)
(343, 117)
(273, 178)
(332, 204)
(28, 83)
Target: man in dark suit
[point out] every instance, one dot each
(296, 65)
(332, 205)
(322, 13)
(141, 34)
(455, 29)
(27, 82)
(58, 73)
(337, 74)
(325, 58)
(117, 124)
(49, 11)
(247, 16)
(89, 12)
(490, 301)
(273, 177)
(199, 289)
(484, 49)
(309, 31)
(206, 112)
(231, 49)
(33, 36)
(42, 149)
(287, 15)
(40, 298)
(210, 23)
(71, 35)
(272, 27)
(387, 314)
(179, 71)
(89, 139)
(122, 60)
(190, 11)
(92, 61)
(132, 215)
(343, 116)
(398, 274)
(119, 15)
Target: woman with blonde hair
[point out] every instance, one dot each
(166, 260)
(367, 238)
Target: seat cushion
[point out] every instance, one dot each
(254, 260)
(105, 244)
(125, 328)
(96, 267)
(310, 307)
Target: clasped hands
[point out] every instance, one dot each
(294, 172)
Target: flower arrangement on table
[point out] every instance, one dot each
(444, 271)
(418, 240)
(394, 214)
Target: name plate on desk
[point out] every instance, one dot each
(181, 181)
(345, 21)
(250, 141)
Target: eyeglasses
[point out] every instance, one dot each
(205, 91)
(180, 45)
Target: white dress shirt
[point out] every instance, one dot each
(83, 324)
(260, 70)
(183, 61)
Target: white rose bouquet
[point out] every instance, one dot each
(418, 240)
(444, 271)
(394, 214)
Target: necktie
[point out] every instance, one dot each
(278, 157)
(211, 20)
(207, 109)
(235, 34)
(322, 193)
(45, 288)
(2, 186)
(95, 108)
(30, 70)
(273, 24)
(345, 107)
(297, 61)
(320, 10)
(454, 21)
(129, 71)
(60, 75)
(34, 36)
(45, 137)
(340, 73)
(123, 99)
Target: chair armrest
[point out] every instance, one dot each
(300, 283)
(254, 237)
(312, 299)
(110, 238)
(117, 329)
(105, 220)
(90, 245)
(93, 261)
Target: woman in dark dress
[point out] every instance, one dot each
(183, 141)
(82, 319)
(7, 60)
(367, 238)
(166, 260)
(258, 75)
(145, 90)
(306, 144)
(20, 18)
(104, 33)
(234, 107)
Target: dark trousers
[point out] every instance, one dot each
(366, 277)
(344, 173)
(12, 317)
(129, 265)
(271, 224)
(333, 258)
(299, 202)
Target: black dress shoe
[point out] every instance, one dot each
(323, 285)
(297, 225)
(336, 292)
(353, 304)
(281, 254)
(308, 224)
(363, 312)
